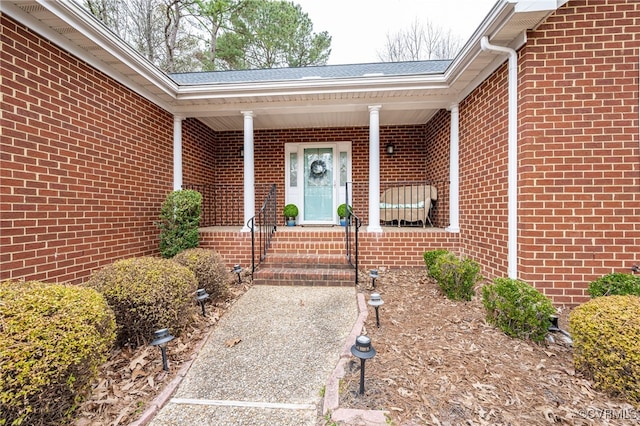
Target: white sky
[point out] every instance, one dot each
(359, 27)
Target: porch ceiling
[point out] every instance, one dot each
(321, 102)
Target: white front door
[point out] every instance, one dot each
(315, 179)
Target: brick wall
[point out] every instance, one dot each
(483, 175)
(85, 164)
(580, 149)
(579, 159)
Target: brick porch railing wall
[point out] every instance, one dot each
(85, 162)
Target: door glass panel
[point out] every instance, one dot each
(293, 169)
(318, 184)
(343, 168)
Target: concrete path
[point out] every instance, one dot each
(291, 339)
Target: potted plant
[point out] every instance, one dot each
(290, 212)
(344, 212)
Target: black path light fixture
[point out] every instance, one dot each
(374, 276)
(237, 269)
(376, 301)
(162, 337)
(201, 296)
(363, 350)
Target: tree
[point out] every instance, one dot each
(420, 42)
(271, 34)
(157, 29)
(214, 17)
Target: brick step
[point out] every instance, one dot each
(267, 275)
(307, 247)
(296, 260)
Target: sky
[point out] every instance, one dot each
(358, 28)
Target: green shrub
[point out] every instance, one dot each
(431, 256)
(606, 344)
(517, 308)
(209, 268)
(147, 294)
(53, 338)
(456, 277)
(179, 221)
(344, 211)
(290, 211)
(615, 284)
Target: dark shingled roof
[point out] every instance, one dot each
(326, 71)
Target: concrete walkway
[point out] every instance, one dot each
(291, 339)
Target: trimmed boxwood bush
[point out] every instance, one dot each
(209, 268)
(179, 222)
(147, 294)
(615, 284)
(517, 308)
(431, 256)
(53, 338)
(456, 277)
(606, 344)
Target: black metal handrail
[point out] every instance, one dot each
(352, 227)
(266, 222)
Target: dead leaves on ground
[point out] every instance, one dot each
(131, 378)
(438, 362)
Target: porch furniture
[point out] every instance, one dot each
(410, 203)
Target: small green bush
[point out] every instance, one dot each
(606, 344)
(209, 268)
(431, 256)
(456, 277)
(53, 338)
(290, 211)
(517, 308)
(179, 222)
(147, 294)
(615, 284)
(344, 211)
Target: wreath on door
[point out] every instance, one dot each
(318, 169)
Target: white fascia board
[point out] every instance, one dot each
(324, 86)
(90, 27)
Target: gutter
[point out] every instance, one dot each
(512, 191)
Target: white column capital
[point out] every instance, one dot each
(453, 107)
(248, 113)
(373, 108)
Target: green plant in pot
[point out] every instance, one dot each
(344, 212)
(290, 212)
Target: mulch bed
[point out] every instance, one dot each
(438, 362)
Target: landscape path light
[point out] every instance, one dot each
(374, 275)
(201, 296)
(376, 301)
(162, 337)
(363, 350)
(238, 270)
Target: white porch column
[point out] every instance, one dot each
(177, 152)
(374, 169)
(454, 174)
(249, 171)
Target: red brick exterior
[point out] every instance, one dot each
(579, 153)
(86, 163)
(580, 148)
